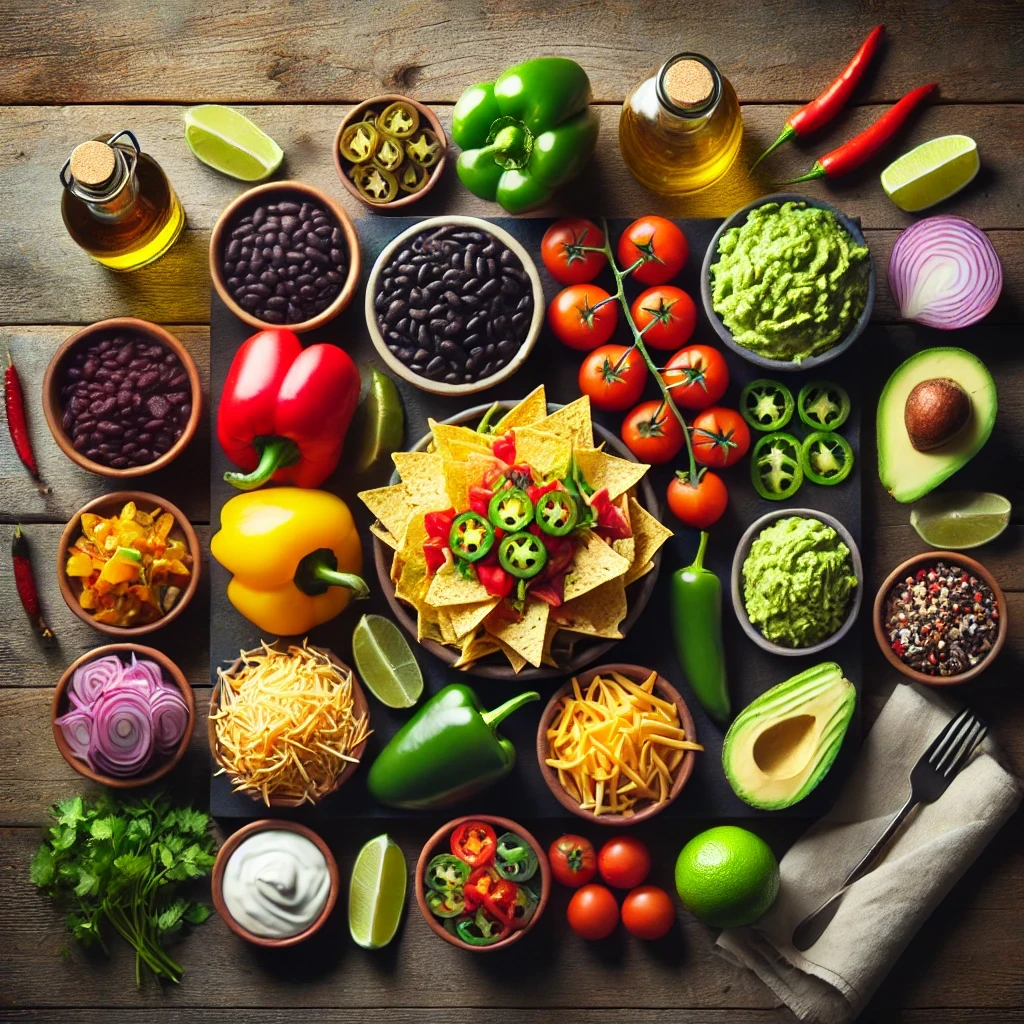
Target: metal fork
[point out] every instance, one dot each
(930, 778)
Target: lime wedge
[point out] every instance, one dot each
(229, 142)
(960, 521)
(385, 662)
(376, 893)
(931, 172)
(383, 421)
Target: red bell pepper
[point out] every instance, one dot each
(285, 410)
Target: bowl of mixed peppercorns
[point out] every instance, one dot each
(940, 618)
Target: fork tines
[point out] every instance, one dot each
(956, 742)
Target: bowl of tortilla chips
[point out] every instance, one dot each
(565, 574)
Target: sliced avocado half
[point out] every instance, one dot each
(782, 745)
(909, 474)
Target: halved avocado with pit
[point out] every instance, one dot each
(906, 472)
(781, 745)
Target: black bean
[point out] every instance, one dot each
(488, 288)
(418, 314)
(508, 348)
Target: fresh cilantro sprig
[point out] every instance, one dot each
(120, 862)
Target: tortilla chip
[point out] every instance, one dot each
(480, 645)
(449, 587)
(572, 422)
(412, 575)
(636, 572)
(600, 469)
(594, 562)
(423, 475)
(597, 613)
(626, 546)
(548, 454)
(394, 506)
(550, 631)
(532, 409)
(466, 617)
(384, 536)
(516, 660)
(444, 620)
(427, 625)
(525, 637)
(648, 532)
(461, 474)
(448, 434)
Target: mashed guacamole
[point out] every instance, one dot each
(797, 582)
(790, 282)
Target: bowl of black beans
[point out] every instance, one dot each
(285, 254)
(122, 397)
(454, 305)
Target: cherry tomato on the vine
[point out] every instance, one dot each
(573, 860)
(673, 312)
(698, 505)
(652, 432)
(648, 912)
(579, 320)
(720, 437)
(614, 377)
(624, 862)
(593, 912)
(697, 376)
(561, 246)
(659, 243)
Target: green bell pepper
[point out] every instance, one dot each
(525, 134)
(448, 751)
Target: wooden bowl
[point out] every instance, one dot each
(224, 855)
(907, 568)
(380, 102)
(496, 666)
(61, 704)
(439, 842)
(662, 688)
(360, 706)
(264, 193)
(54, 412)
(108, 505)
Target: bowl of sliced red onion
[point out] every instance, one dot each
(123, 715)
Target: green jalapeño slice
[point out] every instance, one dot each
(556, 513)
(522, 555)
(471, 537)
(511, 510)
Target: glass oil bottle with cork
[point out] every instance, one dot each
(118, 204)
(680, 129)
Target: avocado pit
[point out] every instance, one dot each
(936, 411)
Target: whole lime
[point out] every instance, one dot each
(727, 876)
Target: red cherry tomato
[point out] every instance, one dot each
(720, 437)
(614, 377)
(652, 433)
(700, 505)
(573, 860)
(560, 249)
(577, 322)
(659, 243)
(593, 912)
(648, 912)
(624, 862)
(672, 309)
(697, 376)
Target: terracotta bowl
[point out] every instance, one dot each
(427, 118)
(54, 412)
(359, 706)
(662, 688)
(907, 568)
(224, 855)
(497, 666)
(108, 505)
(61, 704)
(266, 193)
(439, 842)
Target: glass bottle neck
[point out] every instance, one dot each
(689, 89)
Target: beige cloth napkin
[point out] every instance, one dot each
(880, 914)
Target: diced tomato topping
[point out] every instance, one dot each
(496, 581)
(536, 490)
(479, 499)
(611, 522)
(551, 591)
(439, 524)
(504, 448)
(433, 552)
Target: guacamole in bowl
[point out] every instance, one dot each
(788, 282)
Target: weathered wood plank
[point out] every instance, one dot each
(45, 278)
(262, 51)
(504, 1015)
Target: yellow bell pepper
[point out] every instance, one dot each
(294, 555)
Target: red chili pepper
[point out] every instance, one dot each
(17, 423)
(862, 147)
(26, 584)
(827, 104)
(285, 410)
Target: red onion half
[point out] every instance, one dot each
(944, 272)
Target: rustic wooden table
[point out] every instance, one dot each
(73, 69)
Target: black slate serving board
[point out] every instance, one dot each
(524, 793)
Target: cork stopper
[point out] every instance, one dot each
(688, 83)
(93, 164)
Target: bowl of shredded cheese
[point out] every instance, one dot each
(288, 725)
(616, 744)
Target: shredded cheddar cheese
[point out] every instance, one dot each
(617, 745)
(285, 724)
